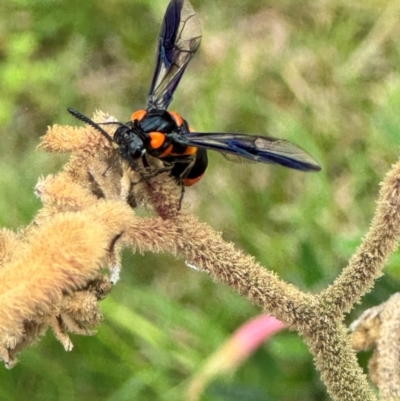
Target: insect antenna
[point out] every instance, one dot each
(87, 120)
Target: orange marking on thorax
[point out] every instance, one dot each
(138, 115)
(167, 151)
(177, 117)
(156, 139)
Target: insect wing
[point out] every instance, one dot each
(179, 39)
(257, 148)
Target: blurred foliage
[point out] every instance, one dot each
(321, 74)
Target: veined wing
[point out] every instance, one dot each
(262, 149)
(179, 39)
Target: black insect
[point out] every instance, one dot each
(167, 136)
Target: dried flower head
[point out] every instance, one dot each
(54, 272)
(379, 328)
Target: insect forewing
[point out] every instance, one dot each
(179, 39)
(257, 148)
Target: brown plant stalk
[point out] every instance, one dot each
(96, 186)
(378, 328)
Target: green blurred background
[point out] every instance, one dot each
(323, 74)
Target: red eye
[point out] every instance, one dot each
(138, 115)
(157, 139)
